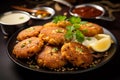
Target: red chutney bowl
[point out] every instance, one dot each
(89, 11)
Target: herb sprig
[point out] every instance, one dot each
(59, 18)
(73, 32)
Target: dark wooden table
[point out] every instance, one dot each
(11, 71)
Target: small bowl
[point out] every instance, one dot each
(13, 20)
(48, 9)
(87, 9)
(97, 12)
(95, 6)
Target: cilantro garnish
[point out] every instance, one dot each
(74, 20)
(69, 35)
(73, 32)
(23, 45)
(59, 31)
(83, 22)
(54, 49)
(79, 49)
(59, 18)
(21, 17)
(79, 36)
(88, 38)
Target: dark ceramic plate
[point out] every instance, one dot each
(111, 52)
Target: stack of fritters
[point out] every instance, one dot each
(50, 48)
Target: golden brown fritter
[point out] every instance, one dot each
(77, 54)
(53, 35)
(29, 32)
(50, 24)
(62, 24)
(28, 47)
(91, 29)
(50, 57)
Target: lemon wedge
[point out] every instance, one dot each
(100, 36)
(101, 45)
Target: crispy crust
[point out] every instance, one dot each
(29, 32)
(91, 29)
(50, 58)
(53, 35)
(28, 47)
(77, 54)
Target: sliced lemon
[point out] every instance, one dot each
(100, 36)
(101, 45)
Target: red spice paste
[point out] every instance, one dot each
(87, 12)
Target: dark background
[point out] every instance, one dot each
(11, 71)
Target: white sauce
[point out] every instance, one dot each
(14, 18)
(89, 40)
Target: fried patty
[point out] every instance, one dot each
(28, 47)
(62, 24)
(77, 54)
(50, 24)
(53, 35)
(29, 32)
(50, 57)
(91, 29)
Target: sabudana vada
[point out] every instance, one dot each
(28, 47)
(62, 24)
(29, 32)
(91, 29)
(53, 35)
(77, 54)
(50, 57)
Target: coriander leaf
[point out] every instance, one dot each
(88, 38)
(83, 22)
(78, 49)
(55, 49)
(77, 26)
(59, 31)
(85, 30)
(79, 36)
(70, 28)
(69, 35)
(21, 17)
(59, 18)
(74, 20)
